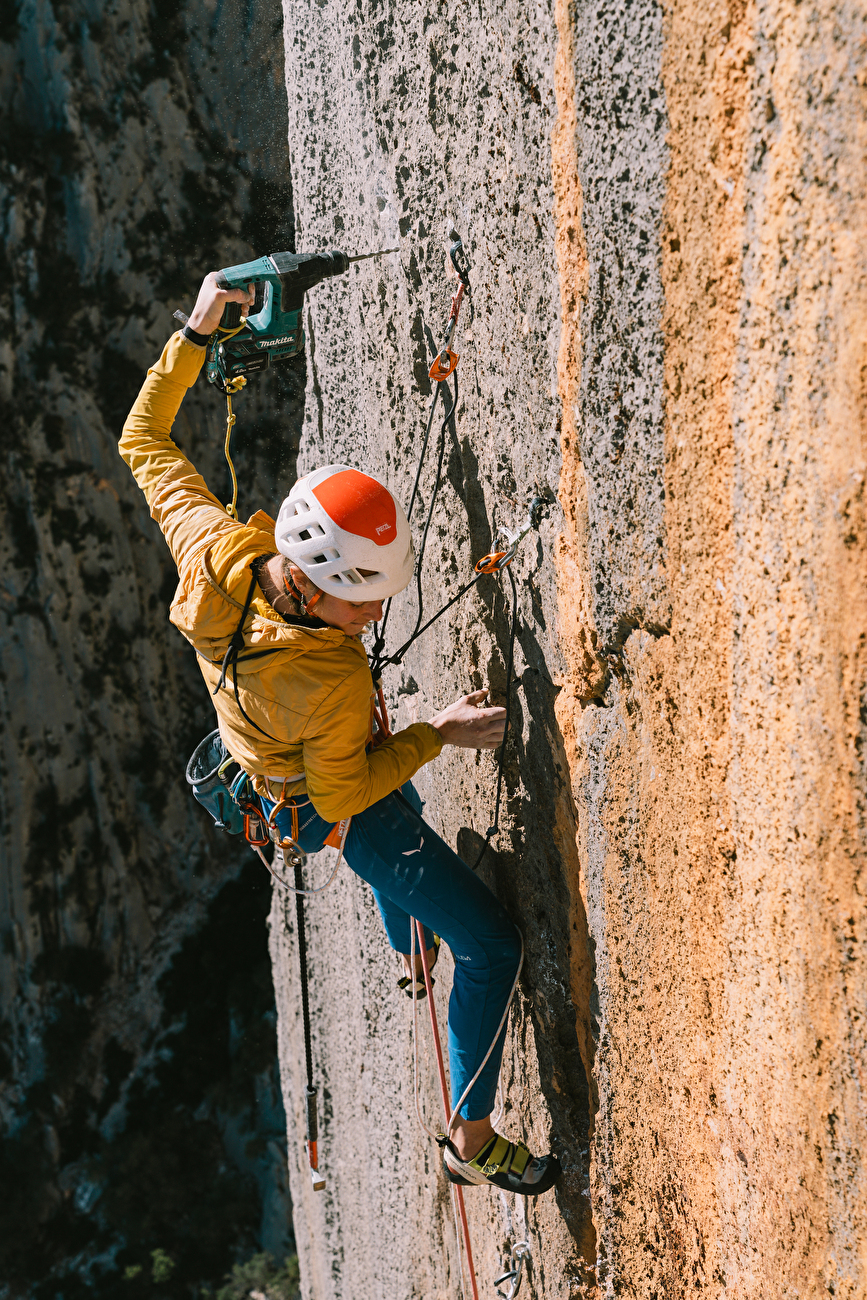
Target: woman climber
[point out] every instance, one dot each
(299, 720)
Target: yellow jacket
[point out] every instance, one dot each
(313, 694)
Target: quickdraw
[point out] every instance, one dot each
(446, 359)
(499, 560)
(519, 1255)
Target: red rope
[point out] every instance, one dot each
(456, 1188)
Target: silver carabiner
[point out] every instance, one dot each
(518, 1256)
(292, 852)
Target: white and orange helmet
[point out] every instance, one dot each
(348, 533)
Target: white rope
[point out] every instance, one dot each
(306, 892)
(466, 1092)
(456, 1111)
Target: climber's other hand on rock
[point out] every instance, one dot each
(210, 303)
(469, 726)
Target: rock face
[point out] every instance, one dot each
(664, 210)
(142, 144)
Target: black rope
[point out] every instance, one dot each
(447, 419)
(501, 761)
(423, 452)
(302, 962)
(398, 654)
(233, 657)
(378, 663)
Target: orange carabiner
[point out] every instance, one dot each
(255, 830)
(287, 843)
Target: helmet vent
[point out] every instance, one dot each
(312, 530)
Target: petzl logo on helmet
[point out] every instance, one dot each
(360, 505)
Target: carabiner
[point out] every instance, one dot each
(518, 1255)
(460, 262)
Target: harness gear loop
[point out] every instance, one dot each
(293, 854)
(255, 831)
(297, 858)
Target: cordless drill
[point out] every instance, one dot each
(272, 331)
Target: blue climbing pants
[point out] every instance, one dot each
(414, 873)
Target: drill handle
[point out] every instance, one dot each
(231, 317)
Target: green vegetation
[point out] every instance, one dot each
(261, 1274)
(162, 1267)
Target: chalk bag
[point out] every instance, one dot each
(210, 772)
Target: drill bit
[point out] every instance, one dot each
(362, 257)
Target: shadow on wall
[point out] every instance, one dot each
(537, 877)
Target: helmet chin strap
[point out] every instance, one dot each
(307, 603)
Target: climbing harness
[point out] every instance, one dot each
(291, 851)
(259, 833)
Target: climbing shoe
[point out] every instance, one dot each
(414, 988)
(503, 1164)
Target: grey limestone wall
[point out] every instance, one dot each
(404, 127)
